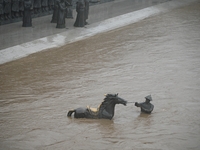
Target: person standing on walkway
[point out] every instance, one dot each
(61, 14)
(80, 18)
(27, 19)
(55, 12)
(69, 10)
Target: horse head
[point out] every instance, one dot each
(115, 98)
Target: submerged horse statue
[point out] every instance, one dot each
(106, 109)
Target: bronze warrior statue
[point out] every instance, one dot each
(146, 107)
(80, 18)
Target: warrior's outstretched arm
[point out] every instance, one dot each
(138, 104)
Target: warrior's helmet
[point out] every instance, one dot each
(148, 98)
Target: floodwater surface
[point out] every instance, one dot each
(158, 56)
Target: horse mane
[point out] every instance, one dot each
(105, 102)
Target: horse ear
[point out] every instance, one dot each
(117, 94)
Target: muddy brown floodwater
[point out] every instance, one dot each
(158, 56)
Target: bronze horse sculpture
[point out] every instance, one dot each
(106, 109)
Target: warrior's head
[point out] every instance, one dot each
(148, 98)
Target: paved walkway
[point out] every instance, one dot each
(17, 41)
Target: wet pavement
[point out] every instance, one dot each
(11, 33)
(17, 42)
(158, 55)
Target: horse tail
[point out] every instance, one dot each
(70, 113)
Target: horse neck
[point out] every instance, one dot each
(110, 107)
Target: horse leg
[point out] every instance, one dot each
(106, 115)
